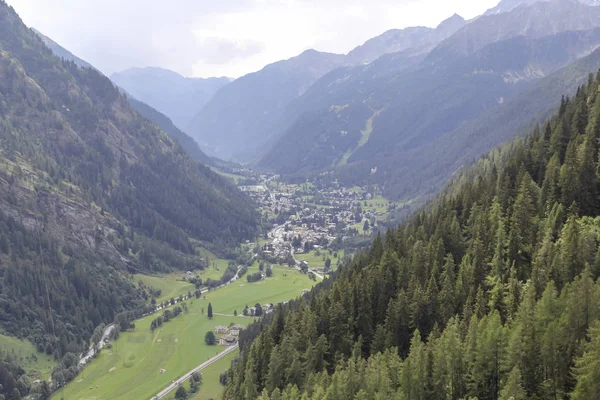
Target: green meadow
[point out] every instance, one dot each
(173, 285)
(211, 387)
(168, 285)
(316, 258)
(132, 368)
(38, 365)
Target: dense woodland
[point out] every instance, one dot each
(490, 292)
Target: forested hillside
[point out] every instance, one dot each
(490, 292)
(164, 123)
(161, 120)
(89, 192)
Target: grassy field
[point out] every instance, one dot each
(131, 369)
(235, 178)
(365, 134)
(37, 365)
(210, 388)
(315, 259)
(169, 285)
(172, 285)
(377, 204)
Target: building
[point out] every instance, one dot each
(221, 330)
(236, 329)
(267, 307)
(227, 340)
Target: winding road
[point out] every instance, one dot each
(188, 375)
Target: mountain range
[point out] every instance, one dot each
(244, 117)
(385, 122)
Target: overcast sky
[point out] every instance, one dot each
(224, 37)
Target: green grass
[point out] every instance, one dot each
(377, 204)
(211, 387)
(316, 261)
(173, 285)
(234, 177)
(168, 284)
(138, 356)
(37, 365)
(364, 138)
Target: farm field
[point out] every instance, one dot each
(38, 365)
(131, 369)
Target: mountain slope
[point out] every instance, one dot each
(473, 138)
(61, 52)
(490, 292)
(89, 192)
(534, 21)
(237, 121)
(162, 121)
(177, 97)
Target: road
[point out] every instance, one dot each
(188, 375)
(105, 334)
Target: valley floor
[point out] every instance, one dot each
(131, 369)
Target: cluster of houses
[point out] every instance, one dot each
(252, 311)
(230, 334)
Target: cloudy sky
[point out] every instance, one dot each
(223, 37)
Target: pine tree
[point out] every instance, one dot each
(513, 389)
(587, 368)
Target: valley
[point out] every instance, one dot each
(311, 229)
(192, 211)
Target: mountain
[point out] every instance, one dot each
(237, 121)
(249, 113)
(90, 191)
(534, 21)
(385, 122)
(417, 39)
(164, 123)
(161, 120)
(509, 5)
(472, 138)
(489, 292)
(178, 97)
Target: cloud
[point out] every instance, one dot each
(219, 50)
(229, 37)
